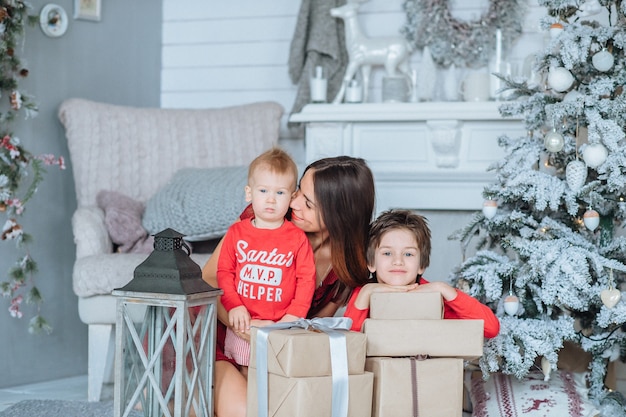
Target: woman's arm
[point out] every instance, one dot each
(209, 274)
(328, 310)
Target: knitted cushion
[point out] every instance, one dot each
(199, 203)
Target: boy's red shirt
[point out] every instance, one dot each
(462, 307)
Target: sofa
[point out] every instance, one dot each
(132, 163)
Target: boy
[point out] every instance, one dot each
(266, 267)
(398, 252)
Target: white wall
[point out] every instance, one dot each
(218, 53)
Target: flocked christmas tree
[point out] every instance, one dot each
(551, 251)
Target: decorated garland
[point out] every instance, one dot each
(21, 172)
(466, 44)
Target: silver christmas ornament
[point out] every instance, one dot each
(576, 174)
(554, 141)
(603, 60)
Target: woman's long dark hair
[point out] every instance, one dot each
(345, 197)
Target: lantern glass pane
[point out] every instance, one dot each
(167, 355)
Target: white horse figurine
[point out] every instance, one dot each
(363, 52)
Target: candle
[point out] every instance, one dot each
(318, 86)
(498, 49)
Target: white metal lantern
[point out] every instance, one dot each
(164, 361)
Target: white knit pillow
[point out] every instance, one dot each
(199, 203)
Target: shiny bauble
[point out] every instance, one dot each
(511, 304)
(560, 79)
(489, 208)
(591, 218)
(595, 154)
(553, 141)
(603, 60)
(575, 174)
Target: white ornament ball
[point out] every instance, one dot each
(554, 141)
(572, 96)
(489, 208)
(595, 154)
(591, 218)
(576, 174)
(511, 304)
(560, 79)
(555, 30)
(603, 60)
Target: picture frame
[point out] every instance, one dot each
(87, 10)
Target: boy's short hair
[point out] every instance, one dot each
(277, 161)
(405, 220)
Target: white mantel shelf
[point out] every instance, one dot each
(424, 156)
(398, 112)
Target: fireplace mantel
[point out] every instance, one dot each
(424, 156)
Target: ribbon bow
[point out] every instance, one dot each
(338, 359)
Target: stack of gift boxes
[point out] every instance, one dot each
(299, 374)
(416, 356)
(407, 362)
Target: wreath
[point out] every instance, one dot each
(466, 44)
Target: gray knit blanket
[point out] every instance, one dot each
(319, 39)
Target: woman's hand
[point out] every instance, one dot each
(446, 291)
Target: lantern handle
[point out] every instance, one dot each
(186, 247)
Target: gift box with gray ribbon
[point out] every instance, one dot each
(309, 368)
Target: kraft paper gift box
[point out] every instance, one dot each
(302, 353)
(435, 387)
(406, 306)
(436, 338)
(309, 396)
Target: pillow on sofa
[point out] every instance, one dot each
(122, 218)
(200, 203)
(564, 395)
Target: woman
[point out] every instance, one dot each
(334, 206)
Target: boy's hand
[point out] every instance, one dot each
(363, 299)
(239, 319)
(446, 291)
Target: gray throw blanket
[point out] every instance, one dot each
(319, 39)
